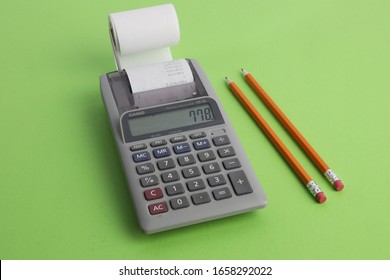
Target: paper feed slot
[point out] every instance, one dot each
(127, 100)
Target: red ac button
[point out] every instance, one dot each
(157, 208)
(153, 194)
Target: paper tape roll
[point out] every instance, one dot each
(143, 36)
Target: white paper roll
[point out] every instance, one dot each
(143, 36)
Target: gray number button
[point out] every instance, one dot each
(180, 202)
(174, 189)
(186, 160)
(170, 176)
(211, 168)
(195, 185)
(191, 172)
(216, 180)
(166, 164)
(206, 155)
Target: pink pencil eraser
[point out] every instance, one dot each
(338, 185)
(321, 198)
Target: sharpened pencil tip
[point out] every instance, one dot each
(244, 72)
(227, 80)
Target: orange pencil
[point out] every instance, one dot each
(313, 155)
(302, 174)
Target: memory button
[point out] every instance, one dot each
(141, 156)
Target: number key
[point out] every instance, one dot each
(174, 189)
(216, 180)
(191, 172)
(170, 176)
(195, 185)
(166, 164)
(206, 155)
(180, 202)
(186, 160)
(211, 168)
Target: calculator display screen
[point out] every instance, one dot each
(171, 119)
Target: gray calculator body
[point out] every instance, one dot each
(178, 174)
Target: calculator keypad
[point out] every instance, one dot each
(188, 171)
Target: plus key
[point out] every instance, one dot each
(240, 182)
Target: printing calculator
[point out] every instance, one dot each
(183, 162)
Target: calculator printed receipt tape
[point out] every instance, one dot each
(182, 159)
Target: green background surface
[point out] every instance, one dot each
(325, 63)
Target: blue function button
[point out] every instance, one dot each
(201, 144)
(141, 156)
(161, 152)
(181, 148)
